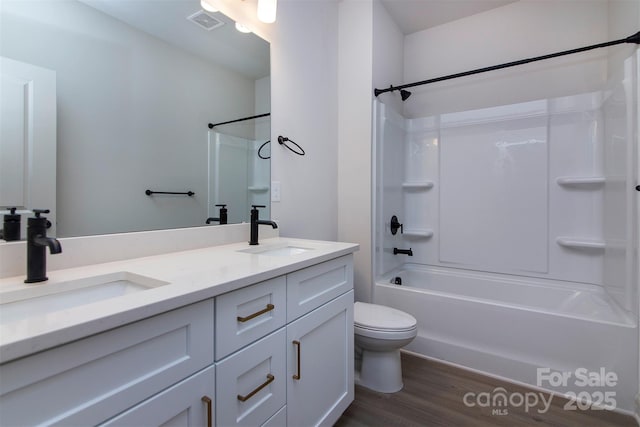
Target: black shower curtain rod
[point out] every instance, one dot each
(631, 39)
(212, 125)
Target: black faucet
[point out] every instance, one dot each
(223, 216)
(37, 242)
(255, 222)
(11, 226)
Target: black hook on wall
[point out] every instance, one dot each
(260, 151)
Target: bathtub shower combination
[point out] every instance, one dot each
(237, 175)
(522, 222)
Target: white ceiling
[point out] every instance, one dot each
(418, 15)
(249, 54)
(167, 20)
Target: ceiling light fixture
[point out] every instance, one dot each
(267, 11)
(242, 28)
(208, 5)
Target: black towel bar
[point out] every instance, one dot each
(150, 193)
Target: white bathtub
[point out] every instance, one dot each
(509, 326)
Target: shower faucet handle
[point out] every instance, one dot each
(395, 224)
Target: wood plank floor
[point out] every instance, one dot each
(433, 396)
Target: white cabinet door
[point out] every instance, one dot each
(188, 403)
(320, 364)
(251, 384)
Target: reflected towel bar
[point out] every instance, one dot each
(212, 125)
(150, 193)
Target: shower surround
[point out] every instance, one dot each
(522, 220)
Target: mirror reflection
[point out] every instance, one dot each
(104, 100)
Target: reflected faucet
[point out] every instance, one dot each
(223, 216)
(255, 222)
(37, 242)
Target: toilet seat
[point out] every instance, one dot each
(386, 335)
(373, 318)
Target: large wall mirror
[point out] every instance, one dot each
(106, 99)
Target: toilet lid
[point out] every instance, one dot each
(379, 317)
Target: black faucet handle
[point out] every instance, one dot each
(40, 211)
(222, 206)
(395, 224)
(258, 206)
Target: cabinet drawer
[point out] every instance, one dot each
(88, 381)
(179, 405)
(248, 314)
(311, 287)
(251, 384)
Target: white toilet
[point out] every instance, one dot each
(380, 332)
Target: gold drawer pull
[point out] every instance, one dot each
(267, 309)
(207, 400)
(269, 380)
(297, 376)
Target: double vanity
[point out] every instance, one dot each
(223, 335)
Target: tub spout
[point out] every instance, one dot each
(397, 251)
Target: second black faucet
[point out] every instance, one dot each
(37, 242)
(255, 221)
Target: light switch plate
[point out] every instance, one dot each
(275, 191)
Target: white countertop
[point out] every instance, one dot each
(192, 275)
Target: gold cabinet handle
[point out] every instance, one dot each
(267, 309)
(207, 400)
(269, 380)
(297, 376)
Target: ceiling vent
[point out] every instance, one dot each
(204, 20)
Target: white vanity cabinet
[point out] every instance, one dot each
(275, 353)
(89, 381)
(306, 361)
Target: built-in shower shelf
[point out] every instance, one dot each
(575, 242)
(258, 188)
(418, 232)
(417, 185)
(580, 181)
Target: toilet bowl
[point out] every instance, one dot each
(380, 332)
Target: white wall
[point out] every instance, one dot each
(516, 31)
(388, 55)
(304, 107)
(354, 124)
(148, 131)
(623, 21)
(260, 169)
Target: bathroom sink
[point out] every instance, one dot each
(49, 298)
(276, 250)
